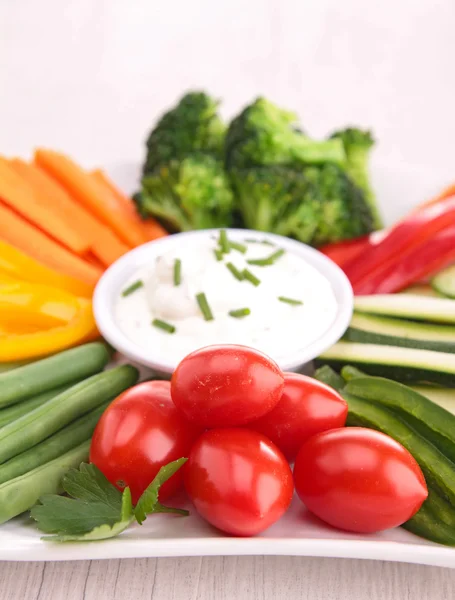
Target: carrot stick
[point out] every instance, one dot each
(21, 234)
(18, 265)
(21, 197)
(448, 191)
(82, 186)
(151, 229)
(104, 244)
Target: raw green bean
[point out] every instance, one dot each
(21, 493)
(54, 446)
(48, 373)
(40, 423)
(11, 413)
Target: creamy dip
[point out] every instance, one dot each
(291, 307)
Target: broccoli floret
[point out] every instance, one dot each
(345, 212)
(263, 134)
(357, 145)
(315, 205)
(279, 200)
(191, 126)
(193, 193)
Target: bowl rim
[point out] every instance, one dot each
(113, 279)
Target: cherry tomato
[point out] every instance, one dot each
(359, 480)
(225, 386)
(238, 480)
(139, 432)
(307, 407)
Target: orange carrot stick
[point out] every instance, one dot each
(151, 229)
(21, 234)
(85, 189)
(21, 197)
(104, 244)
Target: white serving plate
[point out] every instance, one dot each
(298, 533)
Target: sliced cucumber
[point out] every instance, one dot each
(403, 364)
(435, 310)
(421, 290)
(444, 282)
(370, 329)
(444, 397)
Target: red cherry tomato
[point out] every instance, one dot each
(141, 431)
(359, 480)
(238, 480)
(225, 386)
(307, 407)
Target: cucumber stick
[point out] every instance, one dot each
(11, 413)
(444, 282)
(430, 420)
(21, 493)
(418, 308)
(40, 423)
(404, 364)
(54, 446)
(43, 375)
(370, 329)
(439, 471)
(10, 366)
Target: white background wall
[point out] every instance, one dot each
(90, 76)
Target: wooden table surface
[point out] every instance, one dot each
(225, 578)
(90, 78)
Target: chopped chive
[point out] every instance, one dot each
(269, 260)
(133, 287)
(163, 325)
(218, 254)
(177, 271)
(233, 269)
(249, 276)
(263, 241)
(239, 247)
(204, 306)
(239, 313)
(289, 300)
(224, 242)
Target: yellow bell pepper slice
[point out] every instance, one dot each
(38, 320)
(16, 264)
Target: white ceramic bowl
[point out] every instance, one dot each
(113, 281)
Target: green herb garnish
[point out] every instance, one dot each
(269, 260)
(233, 269)
(263, 241)
(163, 325)
(289, 300)
(224, 242)
(239, 247)
(94, 508)
(132, 288)
(239, 313)
(204, 306)
(218, 254)
(177, 271)
(249, 276)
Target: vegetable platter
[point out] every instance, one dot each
(297, 532)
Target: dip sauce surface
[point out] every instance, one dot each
(277, 327)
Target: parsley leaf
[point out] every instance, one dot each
(148, 502)
(97, 510)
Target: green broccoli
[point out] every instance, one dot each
(357, 145)
(263, 134)
(192, 193)
(191, 126)
(314, 205)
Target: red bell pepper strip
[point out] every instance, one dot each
(414, 265)
(342, 252)
(407, 234)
